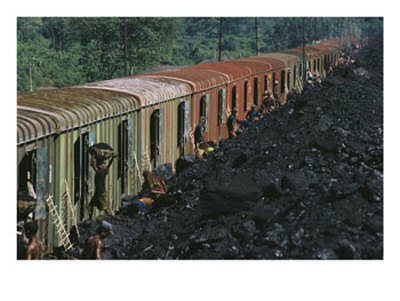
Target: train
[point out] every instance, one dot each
(149, 119)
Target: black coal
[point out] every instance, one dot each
(305, 182)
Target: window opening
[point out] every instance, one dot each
(155, 137)
(245, 97)
(255, 97)
(234, 97)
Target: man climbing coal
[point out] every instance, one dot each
(231, 124)
(94, 244)
(253, 115)
(268, 102)
(100, 195)
(32, 251)
(198, 132)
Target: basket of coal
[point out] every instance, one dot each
(101, 151)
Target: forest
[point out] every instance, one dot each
(56, 52)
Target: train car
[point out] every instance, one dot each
(55, 130)
(148, 119)
(207, 99)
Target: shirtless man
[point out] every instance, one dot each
(94, 244)
(31, 229)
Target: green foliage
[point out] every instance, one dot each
(59, 52)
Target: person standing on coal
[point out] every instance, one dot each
(94, 244)
(232, 121)
(100, 195)
(31, 229)
(198, 132)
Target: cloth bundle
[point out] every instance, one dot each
(101, 151)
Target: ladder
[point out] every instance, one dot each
(71, 208)
(62, 234)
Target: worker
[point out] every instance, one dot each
(152, 188)
(253, 115)
(94, 244)
(275, 88)
(100, 195)
(268, 102)
(242, 126)
(292, 94)
(232, 124)
(309, 77)
(277, 101)
(203, 151)
(32, 251)
(153, 184)
(198, 132)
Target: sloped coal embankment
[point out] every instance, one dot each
(306, 182)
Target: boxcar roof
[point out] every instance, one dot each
(45, 112)
(198, 79)
(231, 71)
(146, 89)
(287, 58)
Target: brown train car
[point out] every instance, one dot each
(207, 99)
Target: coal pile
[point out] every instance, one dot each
(305, 182)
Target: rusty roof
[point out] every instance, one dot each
(255, 66)
(45, 112)
(198, 79)
(276, 63)
(289, 59)
(146, 89)
(229, 70)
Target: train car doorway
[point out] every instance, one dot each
(283, 82)
(81, 170)
(255, 91)
(124, 133)
(155, 138)
(27, 175)
(245, 97)
(234, 97)
(181, 128)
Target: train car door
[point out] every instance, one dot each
(233, 98)
(187, 122)
(41, 183)
(125, 137)
(283, 83)
(84, 175)
(181, 128)
(255, 91)
(155, 138)
(221, 111)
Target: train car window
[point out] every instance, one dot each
(274, 86)
(81, 171)
(319, 65)
(203, 107)
(233, 97)
(283, 81)
(220, 106)
(123, 152)
(27, 173)
(155, 137)
(255, 97)
(266, 83)
(288, 78)
(294, 74)
(301, 70)
(314, 65)
(181, 127)
(245, 97)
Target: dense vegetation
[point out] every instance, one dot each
(58, 52)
